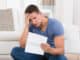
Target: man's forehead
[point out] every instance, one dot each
(32, 15)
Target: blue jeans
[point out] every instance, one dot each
(19, 54)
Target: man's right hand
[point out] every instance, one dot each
(27, 19)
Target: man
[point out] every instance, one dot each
(36, 22)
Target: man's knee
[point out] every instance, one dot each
(61, 57)
(57, 57)
(16, 50)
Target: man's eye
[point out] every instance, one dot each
(34, 18)
(30, 20)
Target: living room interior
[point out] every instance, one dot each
(12, 23)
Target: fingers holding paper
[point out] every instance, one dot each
(45, 47)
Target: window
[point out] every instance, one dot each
(48, 2)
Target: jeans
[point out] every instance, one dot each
(18, 53)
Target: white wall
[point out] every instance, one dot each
(76, 14)
(17, 7)
(59, 10)
(64, 11)
(3, 4)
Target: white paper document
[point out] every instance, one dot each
(33, 43)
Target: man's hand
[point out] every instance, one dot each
(27, 19)
(45, 47)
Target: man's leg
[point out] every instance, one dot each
(49, 57)
(54, 57)
(57, 57)
(61, 57)
(19, 54)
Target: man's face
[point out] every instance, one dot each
(36, 19)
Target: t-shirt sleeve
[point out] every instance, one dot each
(58, 29)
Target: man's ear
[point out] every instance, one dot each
(42, 14)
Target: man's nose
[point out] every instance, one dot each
(34, 22)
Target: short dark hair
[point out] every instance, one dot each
(32, 8)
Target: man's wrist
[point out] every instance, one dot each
(49, 50)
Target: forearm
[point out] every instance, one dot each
(56, 51)
(23, 37)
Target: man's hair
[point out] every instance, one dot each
(31, 9)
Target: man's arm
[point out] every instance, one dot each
(59, 46)
(58, 40)
(24, 35)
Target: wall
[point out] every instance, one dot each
(76, 14)
(3, 4)
(68, 12)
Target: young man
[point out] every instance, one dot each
(36, 22)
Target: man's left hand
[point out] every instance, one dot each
(45, 47)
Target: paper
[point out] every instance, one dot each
(33, 43)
